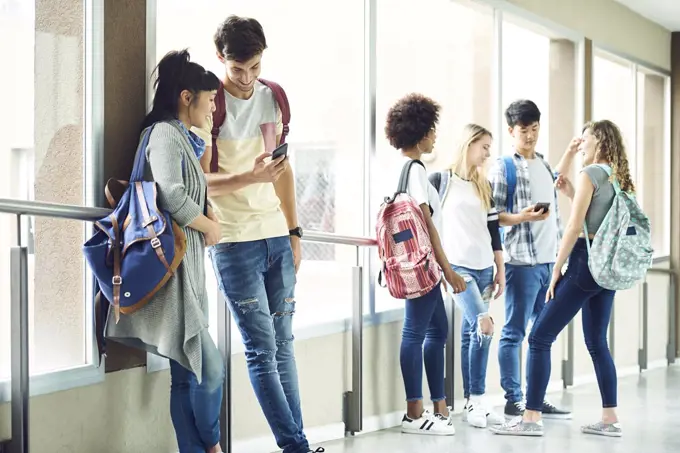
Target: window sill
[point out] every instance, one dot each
(155, 363)
(57, 381)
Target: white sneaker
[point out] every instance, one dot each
(428, 424)
(476, 408)
(476, 415)
(493, 418)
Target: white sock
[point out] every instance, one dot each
(477, 400)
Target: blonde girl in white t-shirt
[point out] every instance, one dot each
(472, 244)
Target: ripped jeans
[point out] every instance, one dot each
(474, 354)
(258, 280)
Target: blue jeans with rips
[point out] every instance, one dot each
(474, 354)
(258, 281)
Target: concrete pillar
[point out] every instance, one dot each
(675, 168)
(125, 107)
(562, 88)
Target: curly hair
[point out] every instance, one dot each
(612, 150)
(410, 119)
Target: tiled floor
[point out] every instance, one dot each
(649, 409)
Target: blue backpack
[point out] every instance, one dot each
(511, 179)
(138, 247)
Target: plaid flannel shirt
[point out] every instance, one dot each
(519, 242)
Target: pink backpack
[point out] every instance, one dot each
(409, 266)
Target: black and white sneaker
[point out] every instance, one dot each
(514, 409)
(551, 411)
(428, 424)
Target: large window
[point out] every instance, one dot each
(42, 157)
(540, 66)
(614, 98)
(320, 64)
(653, 156)
(636, 99)
(453, 42)
(525, 75)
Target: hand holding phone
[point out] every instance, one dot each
(281, 150)
(542, 207)
(269, 171)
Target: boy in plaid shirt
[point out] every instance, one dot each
(531, 243)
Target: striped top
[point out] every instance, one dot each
(171, 323)
(467, 237)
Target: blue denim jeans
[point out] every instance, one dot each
(258, 280)
(424, 336)
(195, 408)
(474, 353)
(525, 291)
(574, 291)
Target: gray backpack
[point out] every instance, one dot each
(621, 251)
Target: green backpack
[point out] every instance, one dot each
(621, 251)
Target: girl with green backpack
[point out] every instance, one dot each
(607, 245)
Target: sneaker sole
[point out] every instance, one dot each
(477, 426)
(600, 433)
(426, 433)
(517, 433)
(557, 416)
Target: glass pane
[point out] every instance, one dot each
(454, 45)
(324, 84)
(44, 163)
(613, 99)
(525, 75)
(653, 179)
(541, 67)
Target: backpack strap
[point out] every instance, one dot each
(140, 158)
(220, 114)
(511, 180)
(218, 117)
(284, 105)
(403, 179)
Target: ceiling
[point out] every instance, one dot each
(664, 12)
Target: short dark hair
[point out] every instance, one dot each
(523, 112)
(410, 119)
(240, 38)
(174, 74)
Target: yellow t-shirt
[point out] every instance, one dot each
(250, 129)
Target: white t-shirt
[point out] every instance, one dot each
(466, 237)
(543, 191)
(420, 189)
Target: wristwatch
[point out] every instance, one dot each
(295, 232)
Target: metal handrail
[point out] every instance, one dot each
(20, 322)
(55, 210)
(91, 214)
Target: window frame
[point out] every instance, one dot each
(94, 158)
(636, 67)
(93, 371)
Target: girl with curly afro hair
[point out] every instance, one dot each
(411, 129)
